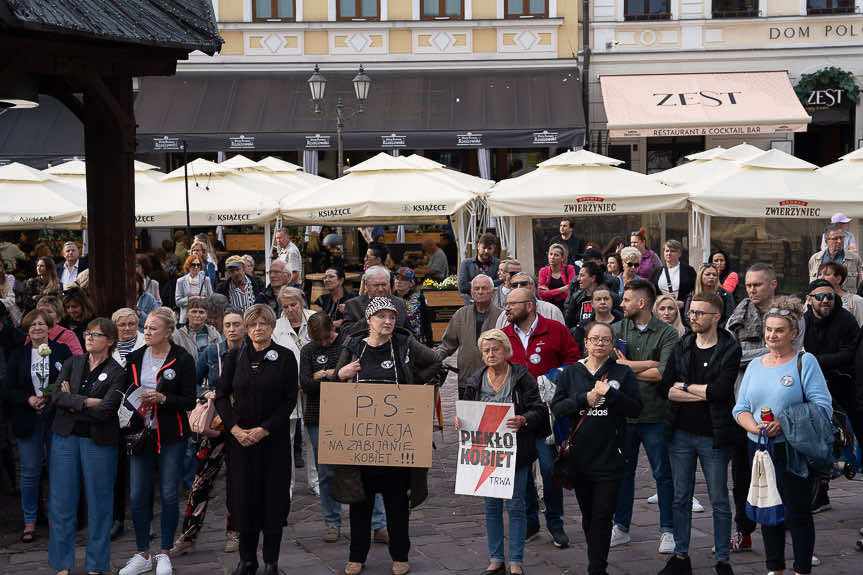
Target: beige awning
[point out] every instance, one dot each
(721, 104)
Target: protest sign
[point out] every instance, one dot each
(486, 451)
(376, 424)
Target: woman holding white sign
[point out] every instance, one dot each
(383, 354)
(502, 381)
(597, 395)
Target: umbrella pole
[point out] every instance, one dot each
(268, 251)
(186, 179)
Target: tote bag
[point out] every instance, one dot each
(764, 503)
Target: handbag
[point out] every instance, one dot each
(764, 502)
(141, 441)
(201, 418)
(563, 471)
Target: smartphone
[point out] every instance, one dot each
(621, 345)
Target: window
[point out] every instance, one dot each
(442, 9)
(735, 8)
(267, 10)
(647, 10)
(526, 8)
(830, 6)
(358, 9)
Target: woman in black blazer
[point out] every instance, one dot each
(32, 370)
(161, 376)
(675, 276)
(84, 446)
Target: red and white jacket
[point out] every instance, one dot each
(549, 346)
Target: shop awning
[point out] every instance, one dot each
(721, 104)
(411, 110)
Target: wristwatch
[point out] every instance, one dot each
(685, 386)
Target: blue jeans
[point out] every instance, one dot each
(552, 493)
(141, 470)
(330, 508)
(74, 458)
(652, 436)
(684, 451)
(32, 449)
(515, 508)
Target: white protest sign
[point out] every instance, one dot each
(486, 451)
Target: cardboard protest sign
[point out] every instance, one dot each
(486, 451)
(376, 424)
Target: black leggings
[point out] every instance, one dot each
(393, 485)
(597, 500)
(741, 475)
(249, 546)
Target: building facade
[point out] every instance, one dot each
(490, 87)
(705, 50)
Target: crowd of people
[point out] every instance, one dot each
(605, 351)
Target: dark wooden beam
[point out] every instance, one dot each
(110, 196)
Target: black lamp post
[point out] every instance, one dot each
(318, 86)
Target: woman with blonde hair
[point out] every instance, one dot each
(662, 308)
(707, 280)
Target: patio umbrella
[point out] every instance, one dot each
(581, 183)
(74, 172)
(707, 165)
(30, 198)
(776, 185)
(383, 189)
(849, 168)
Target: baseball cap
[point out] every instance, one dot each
(406, 273)
(235, 262)
(839, 218)
(817, 283)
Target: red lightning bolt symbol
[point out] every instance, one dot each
(491, 419)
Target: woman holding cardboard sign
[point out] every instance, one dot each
(255, 397)
(502, 381)
(383, 354)
(597, 395)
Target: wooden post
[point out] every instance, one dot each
(109, 141)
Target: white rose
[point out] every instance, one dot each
(44, 350)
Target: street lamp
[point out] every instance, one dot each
(318, 85)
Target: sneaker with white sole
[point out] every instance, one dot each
(163, 564)
(666, 543)
(232, 541)
(815, 561)
(619, 536)
(136, 565)
(653, 499)
(697, 507)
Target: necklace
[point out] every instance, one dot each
(496, 381)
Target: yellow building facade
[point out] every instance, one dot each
(711, 38)
(449, 77)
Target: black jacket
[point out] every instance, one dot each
(833, 342)
(19, 386)
(688, 276)
(314, 358)
(82, 265)
(600, 442)
(176, 379)
(525, 396)
(104, 427)
(267, 297)
(720, 391)
(572, 304)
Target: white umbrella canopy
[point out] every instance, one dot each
(288, 172)
(849, 168)
(383, 189)
(473, 183)
(217, 196)
(776, 185)
(31, 198)
(275, 178)
(581, 183)
(707, 166)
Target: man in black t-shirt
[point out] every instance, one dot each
(699, 383)
(573, 243)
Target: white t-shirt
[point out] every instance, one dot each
(39, 366)
(674, 274)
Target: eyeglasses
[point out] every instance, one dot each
(194, 265)
(599, 340)
(698, 314)
(823, 296)
(512, 303)
(632, 264)
(520, 284)
(94, 334)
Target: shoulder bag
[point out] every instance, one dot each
(563, 471)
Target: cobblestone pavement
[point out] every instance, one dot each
(448, 534)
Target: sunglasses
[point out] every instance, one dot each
(710, 265)
(519, 284)
(823, 296)
(632, 264)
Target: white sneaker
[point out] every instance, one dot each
(163, 565)
(136, 565)
(815, 561)
(666, 543)
(697, 507)
(653, 499)
(619, 536)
